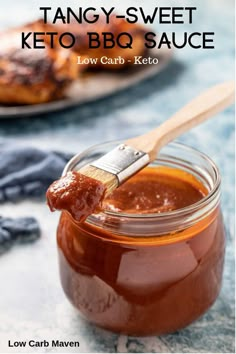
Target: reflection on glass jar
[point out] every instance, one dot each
(144, 274)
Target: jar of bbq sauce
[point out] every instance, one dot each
(151, 261)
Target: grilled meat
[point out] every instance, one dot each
(30, 76)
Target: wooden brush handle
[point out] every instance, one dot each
(197, 111)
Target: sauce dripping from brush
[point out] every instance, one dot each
(76, 193)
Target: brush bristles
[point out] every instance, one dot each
(108, 179)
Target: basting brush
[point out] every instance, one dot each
(125, 160)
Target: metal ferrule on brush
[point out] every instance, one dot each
(123, 162)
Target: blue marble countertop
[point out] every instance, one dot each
(32, 304)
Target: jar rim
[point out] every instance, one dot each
(161, 216)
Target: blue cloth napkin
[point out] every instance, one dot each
(25, 172)
(17, 230)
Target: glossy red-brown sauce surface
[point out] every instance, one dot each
(140, 285)
(152, 192)
(76, 193)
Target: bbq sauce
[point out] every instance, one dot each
(151, 190)
(124, 274)
(76, 193)
(155, 190)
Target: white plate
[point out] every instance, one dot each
(94, 86)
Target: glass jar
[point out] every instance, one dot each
(146, 274)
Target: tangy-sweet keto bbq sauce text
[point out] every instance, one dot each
(141, 266)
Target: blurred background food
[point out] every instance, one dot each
(31, 75)
(37, 76)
